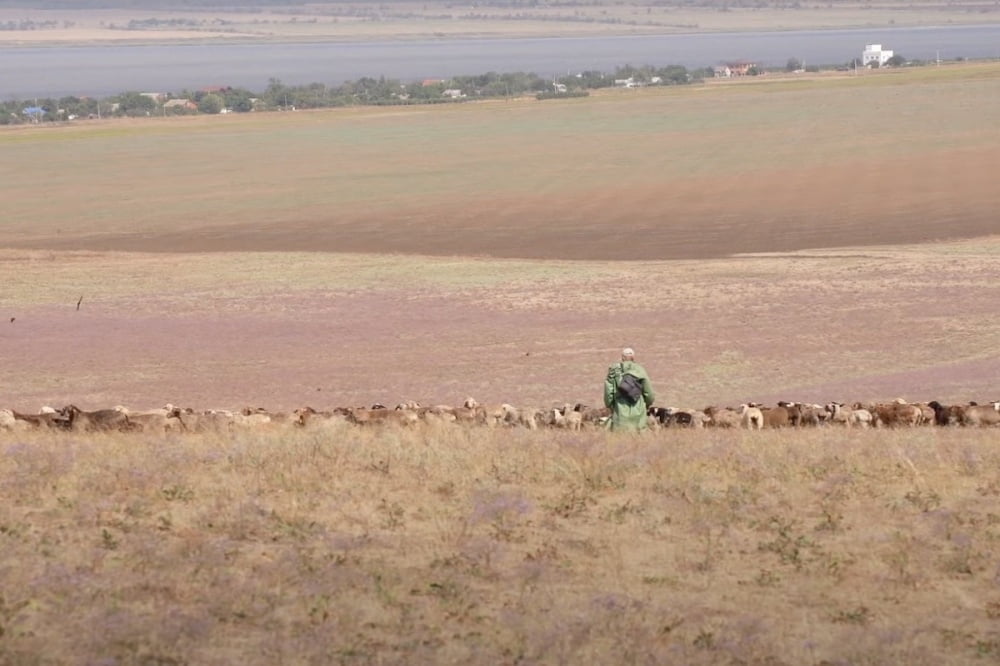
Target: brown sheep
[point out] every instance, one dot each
(382, 417)
(895, 414)
(722, 417)
(100, 420)
(980, 415)
(776, 417)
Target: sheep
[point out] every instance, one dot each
(596, 416)
(672, 416)
(776, 417)
(8, 422)
(722, 417)
(567, 418)
(751, 417)
(382, 417)
(895, 413)
(100, 420)
(976, 415)
(524, 416)
(42, 420)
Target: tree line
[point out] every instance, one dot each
(366, 91)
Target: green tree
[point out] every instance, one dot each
(793, 65)
(238, 99)
(211, 103)
(135, 104)
(896, 61)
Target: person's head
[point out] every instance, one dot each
(628, 354)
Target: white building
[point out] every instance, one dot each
(875, 55)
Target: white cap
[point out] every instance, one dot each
(628, 351)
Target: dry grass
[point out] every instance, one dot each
(454, 546)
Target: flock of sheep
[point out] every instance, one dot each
(572, 417)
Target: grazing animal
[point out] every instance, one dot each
(841, 414)
(751, 417)
(810, 415)
(102, 420)
(215, 420)
(980, 415)
(45, 420)
(722, 417)
(946, 415)
(382, 417)
(593, 415)
(672, 416)
(509, 415)
(565, 417)
(304, 417)
(896, 414)
(9, 422)
(776, 417)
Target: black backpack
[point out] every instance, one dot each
(630, 388)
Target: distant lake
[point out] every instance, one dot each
(27, 72)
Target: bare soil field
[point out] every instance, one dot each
(363, 21)
(784, 243)
(704, 171)
(501, 547)
(284, 330)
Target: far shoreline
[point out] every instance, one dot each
(249, 40)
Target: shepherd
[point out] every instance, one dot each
(628, 393)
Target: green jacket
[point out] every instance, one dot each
(623, 415)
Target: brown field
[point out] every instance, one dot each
(286, 330)
(319, 288)
(411, 20)
(820, 239)
(688, 172)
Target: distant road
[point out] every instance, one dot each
(27, 72)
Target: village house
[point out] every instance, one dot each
(875, 56)
(184, 104)
(730, 69)
(35, 113)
